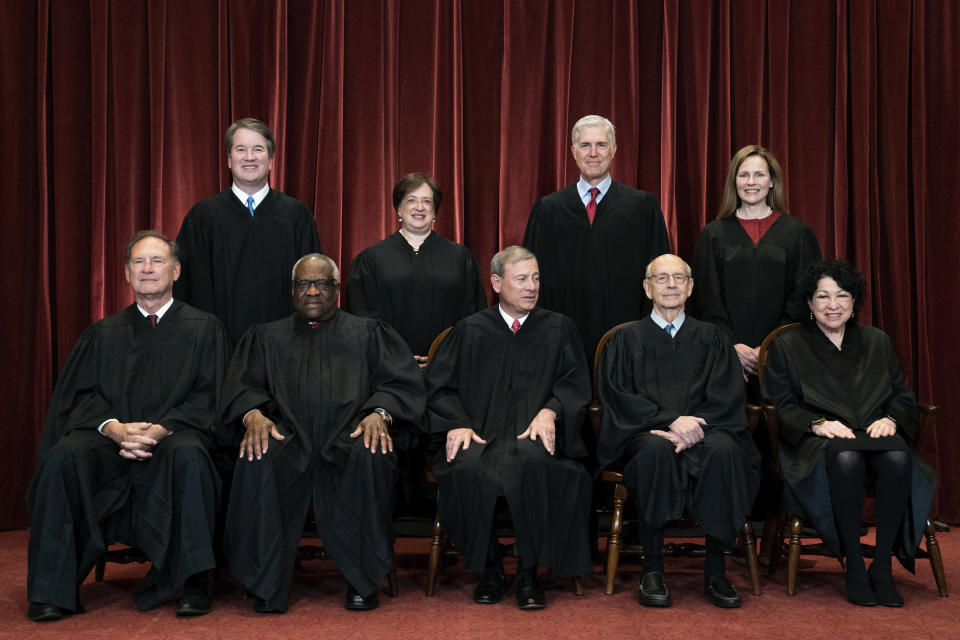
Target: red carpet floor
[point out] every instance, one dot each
(817, 611)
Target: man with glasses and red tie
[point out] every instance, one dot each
(124, 450)
(311, 400)
(504, 390)
(674, 415)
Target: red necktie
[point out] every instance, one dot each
(592, 205)
(313, 325)
(516, 325)
(153, 319)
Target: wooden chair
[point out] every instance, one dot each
(615, 544)
(442, 550)
(928, 414)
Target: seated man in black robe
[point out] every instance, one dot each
(674, 414)
(124, 451)
(313, 396)
(506, 386)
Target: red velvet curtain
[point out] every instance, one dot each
(113, 114)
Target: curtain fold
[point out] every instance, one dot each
(114, 114)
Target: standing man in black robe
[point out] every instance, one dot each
(594, 238)
(312, 398)
(505, 386)
(239, 246)
(674, 414)
(123, 453)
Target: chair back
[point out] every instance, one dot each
(595, 409)
(436, 344)
(765, 345)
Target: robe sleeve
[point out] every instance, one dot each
(198, 409)
(362, 297)
(530, 235)
(707, 301)
(724, 406)
(781, 387)
(245, 389)
(395, 379)
(77, 402)
(628, 409)
(571, 392)
(445, 411)
(473, 297)
(808, 250)
(195, 284)
(901, 406)
(306, 230)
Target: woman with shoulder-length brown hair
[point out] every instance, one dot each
(747, 261)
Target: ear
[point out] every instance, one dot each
(647, 288)
(495, 282)
(176, 271)
(127, 273)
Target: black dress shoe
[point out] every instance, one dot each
(43, 612)
(197, 598)
(721, 593)
(356, 602)
(490, 589)
(651, 591)
(860, 593)
(529, 594)
(884, 589)
(263, 606)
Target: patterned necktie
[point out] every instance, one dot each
(670, 329)
(592, 205)
(314, 325)
(515, 326)
(250, 204)
(153, 319)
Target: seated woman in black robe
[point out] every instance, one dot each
(419, 283)
(844, 412)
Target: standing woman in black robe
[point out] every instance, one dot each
(845, 411)
(746, 262)
(419, 283)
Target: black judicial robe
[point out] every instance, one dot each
(593, 274)
(486, 378)
(418, 293)
(646, 380)
(237, 266)
(807, 378)
(84, 496)
(750, 289)
(316, 385)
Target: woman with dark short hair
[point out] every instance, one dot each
(845, 412)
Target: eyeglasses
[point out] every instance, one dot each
(662, 278)
(321, 285)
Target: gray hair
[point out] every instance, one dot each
(686, 267)
(594, 121)
(253, 125)
(150, 233)
(316, 256)
(508, 256)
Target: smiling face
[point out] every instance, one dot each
(753, 181)
(519, 287)
(315, 303)
(249, 160)
(416, 210)
(151, 270)
(593, 153)
(668, 297)
(831, 305)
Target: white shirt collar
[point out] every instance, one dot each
(583, 188)
(509, 319)
(257, 197)
(162, 310)
(660, 322)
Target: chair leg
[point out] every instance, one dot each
(936, 560)
(578, 585)
(101, 565)
(392, 590)
(793, 561)
(776, 549)
(750, 553)
(436, 551)
(613, 540)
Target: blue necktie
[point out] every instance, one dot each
(669, 329)
(250, 204)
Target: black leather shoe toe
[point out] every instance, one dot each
(651, 590)
(197, 598)
(43, 612)
(263, 606)
(721, 593)
(356, 602)
(490, 589)
(529, 594)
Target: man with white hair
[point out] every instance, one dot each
(594, 238)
